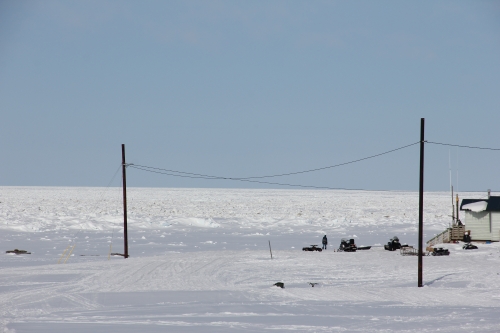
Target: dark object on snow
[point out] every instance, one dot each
(16, 251)
(467, 238)
(347, 245)
(312, 248)
(313, 284)
(439, 251)
(469, 246)
(393, 244)
(279, 284)
(408, 251)
(364, 248)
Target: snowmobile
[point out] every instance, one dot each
(393, 244)
(17, 251)
(439, 251)
(469, 246)
(312, 248)
(347, 245)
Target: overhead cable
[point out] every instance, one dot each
(276, 175)
(135, 166)
(169, 172)
(333, 166)
(461, 146)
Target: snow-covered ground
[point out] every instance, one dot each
(200, 262)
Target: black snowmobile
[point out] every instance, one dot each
(347, 245)
(469, 246)
(439, 251)
(312, 248)
(393, 244)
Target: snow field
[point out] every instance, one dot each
(200, 262)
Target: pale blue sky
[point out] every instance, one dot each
(247, 88)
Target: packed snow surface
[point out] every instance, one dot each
(200, 262)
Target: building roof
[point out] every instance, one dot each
(493, 203)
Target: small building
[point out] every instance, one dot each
(482, 218)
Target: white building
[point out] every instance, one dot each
(482, 218)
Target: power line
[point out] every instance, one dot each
(334, 166)
(183, 174)
(169, 172)
(260, 182)
(197, 175)
(311, 186)
(461, 146)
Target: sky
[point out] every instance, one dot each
(250, 88)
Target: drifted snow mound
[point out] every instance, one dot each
(196, 222)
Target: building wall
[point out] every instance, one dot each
(495, 221)
(479, 225)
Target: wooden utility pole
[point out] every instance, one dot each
(124, 175)
(421, 205)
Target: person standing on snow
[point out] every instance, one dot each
(325, 242)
